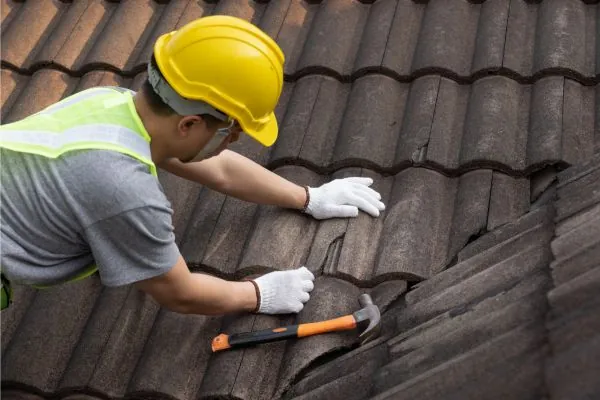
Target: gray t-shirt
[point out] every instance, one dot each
(58, 216)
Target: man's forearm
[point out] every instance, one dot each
(249, 181)
(238, 176)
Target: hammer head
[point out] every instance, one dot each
(368, 316)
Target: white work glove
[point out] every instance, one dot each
(284, 292)
(343, 198)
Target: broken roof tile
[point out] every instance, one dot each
(368, 120)
(512, 357)
(390, 37)
(417, 224)
(312, 118)
(281, 238)
(508, 201)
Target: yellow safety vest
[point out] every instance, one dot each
(100, 118)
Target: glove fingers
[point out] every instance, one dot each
(360, 180)
(308, 286)
(343, 211)
(304, 297)
(367, 190)
(305, 273)
(364, 205)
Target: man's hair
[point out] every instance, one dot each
(159, 107)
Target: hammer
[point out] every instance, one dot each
(368, 316)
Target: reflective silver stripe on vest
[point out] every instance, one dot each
(96, 133)
(76, 98)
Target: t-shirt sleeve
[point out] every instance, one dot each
(134, 245)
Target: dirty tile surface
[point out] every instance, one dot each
(479, 124)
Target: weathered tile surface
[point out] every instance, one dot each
(464, 113)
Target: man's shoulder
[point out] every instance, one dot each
(112, 182)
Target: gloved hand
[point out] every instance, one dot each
(283, 292)
(343, 198)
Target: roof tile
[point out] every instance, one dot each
(175, 356)
(370, 127)
(482, 372)
(49, 338)
(390, 37)
(174, 15)
(94, 338)
(444, 44)
(28, 30)
(344, 20)
(73, 38)
(114, 359)
(12, 85)
(43, 88)
(124, 36)
(508, 201)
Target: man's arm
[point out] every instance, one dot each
(185, 292)
(238, 176)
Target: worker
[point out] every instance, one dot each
(80, 192)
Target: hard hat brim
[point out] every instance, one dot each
(268, 134)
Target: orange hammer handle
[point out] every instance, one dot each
(224, 341)
(338, 324)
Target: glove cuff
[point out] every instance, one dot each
(257, 290)
(307, 202)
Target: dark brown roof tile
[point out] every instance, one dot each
(174, 15)
(73, 38)
(43, 88)
(390, 37)
(115, 358)
(48, 337)
(513, 356)
(444, 44)
(27, 31)
(12, 316)
(471, 208)
(344, 20)
(494, 127)
(12, 85)
(491, 35)
(175, 355)
(559, 25)
(508, 201)
(370, 127)
(100, 325)
(125, 34)
(312, 118)
(573, 374)
(444, 342)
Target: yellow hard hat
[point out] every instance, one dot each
(224, 66)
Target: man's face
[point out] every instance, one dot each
(201, 135)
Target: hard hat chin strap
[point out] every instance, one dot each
(180, 105)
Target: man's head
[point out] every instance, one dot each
(209, 81)
(191, 137)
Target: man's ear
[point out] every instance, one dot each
(186, 123)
